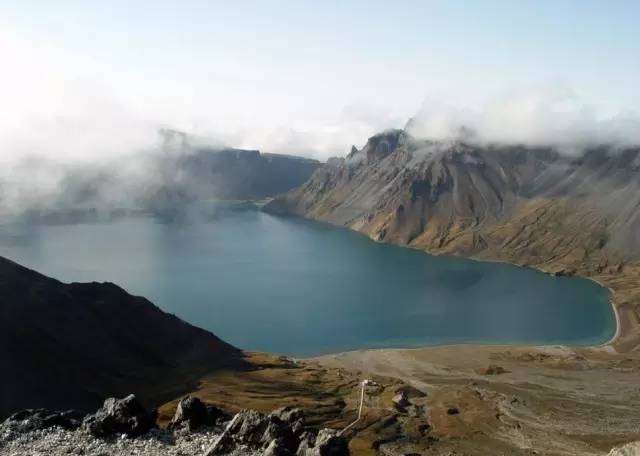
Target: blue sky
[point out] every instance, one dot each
(315, 76)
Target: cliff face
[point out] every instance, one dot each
(71, 345)
(530, 206)
(203, 173)
(244, 174)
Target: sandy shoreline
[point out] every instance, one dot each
(612, 293)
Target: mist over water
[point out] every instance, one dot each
(291, 286)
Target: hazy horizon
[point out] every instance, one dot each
(93, 81)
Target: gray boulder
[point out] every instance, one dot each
(401, 400)
(266, 434)
(192, 413)
(292, 416)
(278, 447)
(120, 416)
(37, 419)
(307, 442)
(328, 442)
(281, 433)
(248, 426)
(410, 392)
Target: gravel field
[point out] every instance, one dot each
(57, 442)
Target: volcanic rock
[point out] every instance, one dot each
(192, 413)
(120, 416)
(38, 419)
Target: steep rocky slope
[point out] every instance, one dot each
(565, 214)
(71, 345)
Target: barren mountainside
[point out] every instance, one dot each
(565, 214)
(73, 345)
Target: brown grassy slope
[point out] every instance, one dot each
(329, 396)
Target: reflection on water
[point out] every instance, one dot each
(298, 287)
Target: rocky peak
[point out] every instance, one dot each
(380, 146)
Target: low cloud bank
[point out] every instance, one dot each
(75, 132)
(547, 116)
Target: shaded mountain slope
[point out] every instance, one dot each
(72, 345)
(529, 206)
(243, 174)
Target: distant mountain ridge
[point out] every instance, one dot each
(72, 345)
(165, 180)
(531, 206)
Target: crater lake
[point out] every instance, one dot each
(296, 287)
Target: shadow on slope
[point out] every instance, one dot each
(71, 345)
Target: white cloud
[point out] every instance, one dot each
(67, 108)
(545, 115)
(57, 107)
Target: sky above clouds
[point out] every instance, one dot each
(92, 80)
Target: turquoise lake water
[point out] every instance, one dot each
(297, 287)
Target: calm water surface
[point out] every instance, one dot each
(297, 287)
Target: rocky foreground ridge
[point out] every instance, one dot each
(562, 213)
(125, 427)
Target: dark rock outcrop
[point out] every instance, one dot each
(256, 430)
(37, 419)
(120, 416)
(278, 434)
(327, 442)
(294, 417)
(73, 345)
(411, 392)
(400, 400)
(192, 414)
(492, 369)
